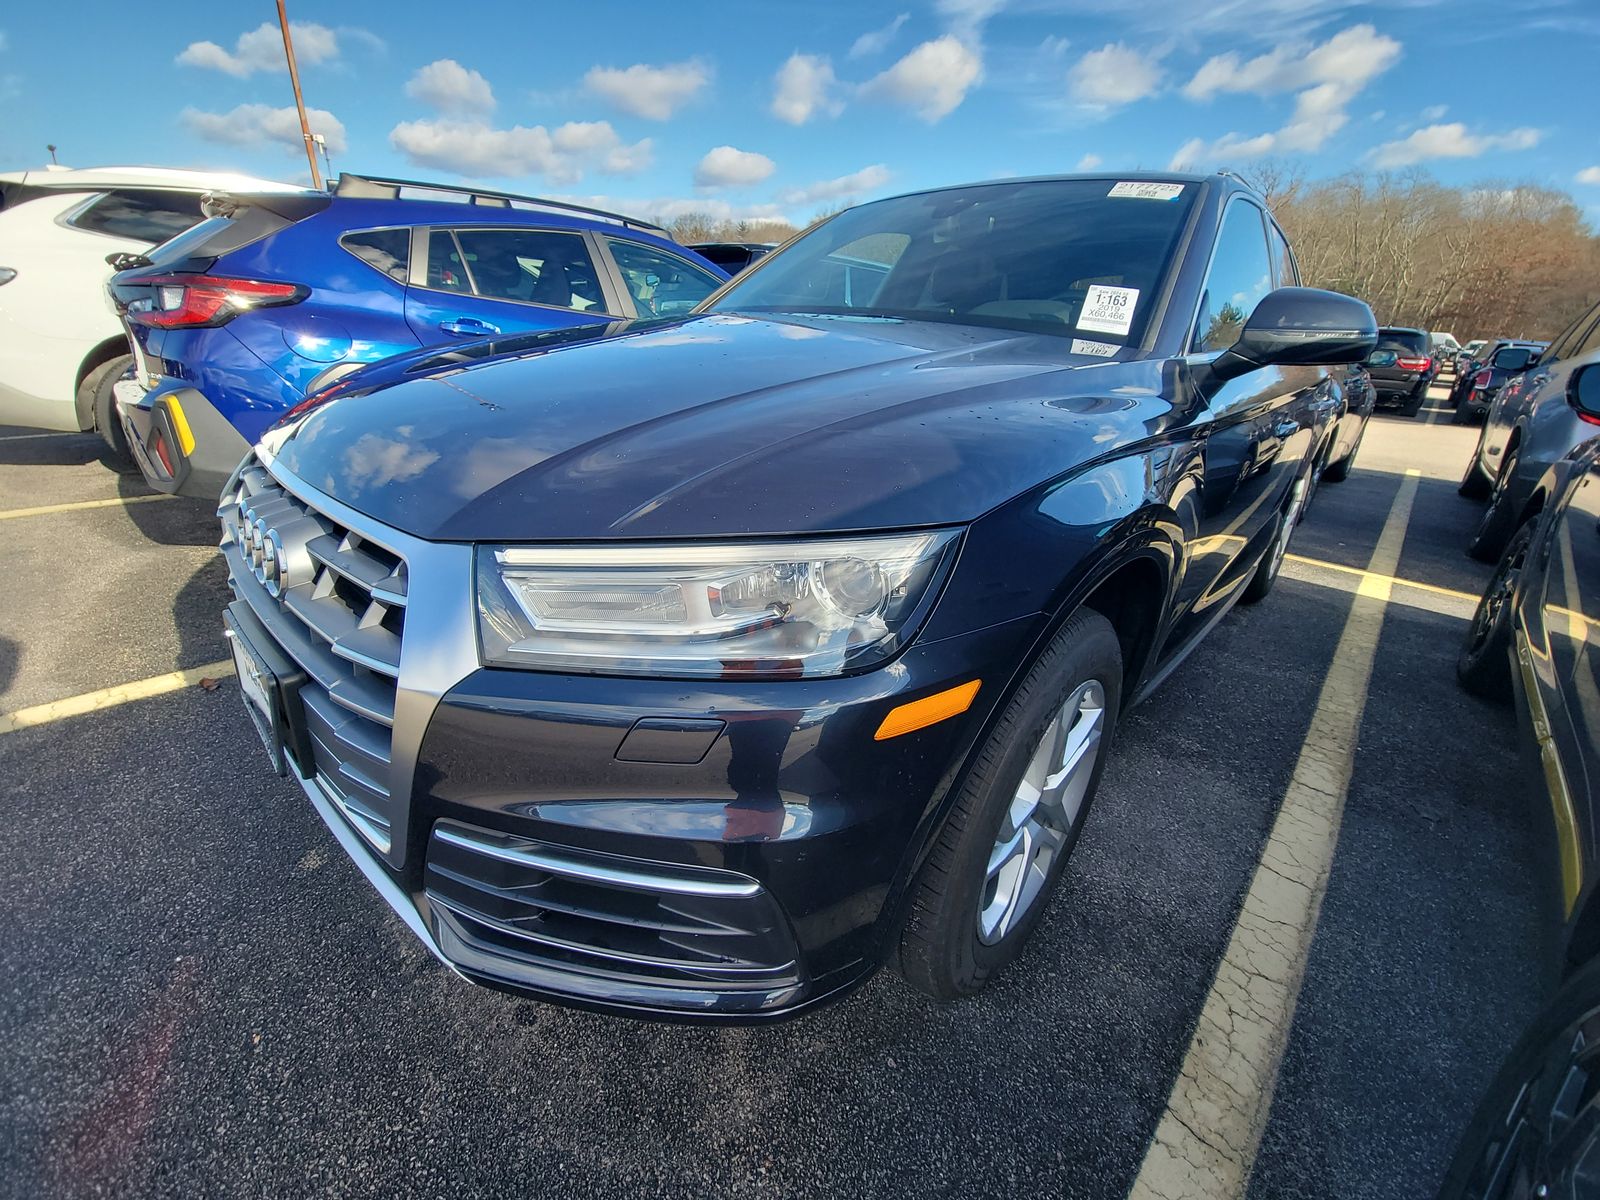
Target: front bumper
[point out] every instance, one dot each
(722, 851)
(182, 444)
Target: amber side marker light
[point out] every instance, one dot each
(930, 710)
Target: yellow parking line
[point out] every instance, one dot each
(1205, 1144)
(111, 697)
(1389, 580)
(28, 437)
(46, 509)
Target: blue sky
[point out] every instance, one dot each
(783, 109)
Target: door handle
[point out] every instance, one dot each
(468, 325)
(1286, 428)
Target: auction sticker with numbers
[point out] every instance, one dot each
(1108, 309)
(1147, 191)
(1101, 349)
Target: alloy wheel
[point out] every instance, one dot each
(1038, 823)
(1496, 597)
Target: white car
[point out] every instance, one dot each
(62, 347)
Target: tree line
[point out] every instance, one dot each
(1494, 259)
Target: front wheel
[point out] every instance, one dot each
(1475, 482)
(1537, 1130)
(996, 862)
(1340, 471)
(1267, 573)
(1484, 664)
(1499, 521)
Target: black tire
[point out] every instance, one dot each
(1413, 404)
(1340, 471)
(1475, 484)
(97, 390)
(1272, 562)
(941, 952)
(1528, 1132)
(1484, 664)
(1488, 541)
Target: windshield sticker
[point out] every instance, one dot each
(1101, 349)
(1108, 309)
(1147, 191)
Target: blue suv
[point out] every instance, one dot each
(236, 321)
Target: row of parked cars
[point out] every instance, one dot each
(671, 645)
(1532, 642)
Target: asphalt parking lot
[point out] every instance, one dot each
(199, 995)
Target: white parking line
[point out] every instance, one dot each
(111, 697)
(1206, 1141)
(78, 505)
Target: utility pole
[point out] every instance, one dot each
(299, 101)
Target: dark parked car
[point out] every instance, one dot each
(1537, 1132)
(1472, 364)
(1404, 384)
(1360, 397)
(1473, 394)
(1531, 426)
(272, 297)
(698, 667)
(1445, 350)
(734, 257)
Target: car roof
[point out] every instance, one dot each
(376, 213)
(98, 178)
(1219, 179)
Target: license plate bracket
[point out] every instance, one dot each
(269, 685)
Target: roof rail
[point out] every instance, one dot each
(378, 187)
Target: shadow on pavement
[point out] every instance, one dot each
(180, 522)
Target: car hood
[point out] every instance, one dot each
(719, 425)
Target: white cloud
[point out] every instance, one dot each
(877, 41)
(475, 149)
(932, 80)
(1326, 77)
(654, 93)
(1113, 75)
(449, 87)
(725, 166)
(1435, 112)
(966, 18)
(261, 49)
(1589, 175)
(803, 88)
(845, 187)
(1089, 162)
(253, 124)
(1453, 140)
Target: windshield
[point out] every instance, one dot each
(1080, 257)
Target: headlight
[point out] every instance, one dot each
(708, 611)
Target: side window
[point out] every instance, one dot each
(661, 284)
(388, 250)
(1591, 341)
(532, 266)
(1241, 273)
(447, 270)
(1282, 260)
(146, 216)
(1567, 342)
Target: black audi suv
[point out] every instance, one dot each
(697, 667)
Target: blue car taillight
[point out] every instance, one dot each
(198, 301)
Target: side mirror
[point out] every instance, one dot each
(1583, 391)
(1297, 326)
(1382, 358)
(1513, 358)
